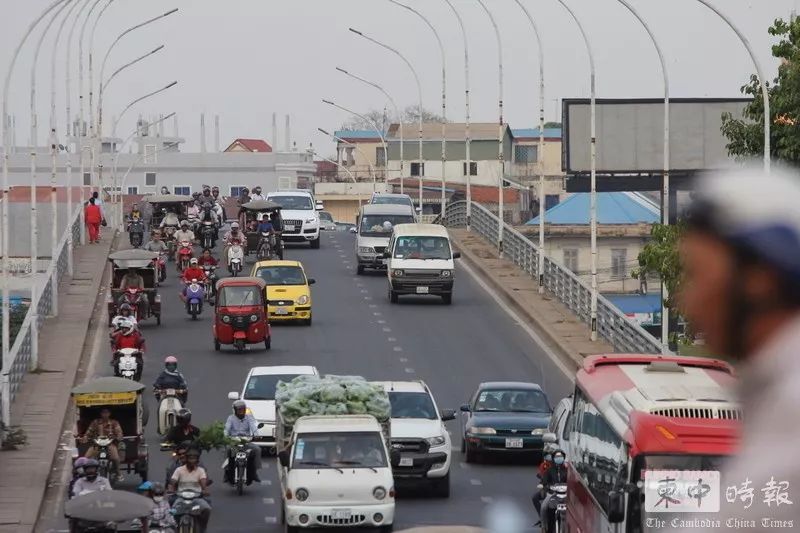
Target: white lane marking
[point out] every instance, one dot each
(569, 373)
(377, 313)
(266, 482)
(387, 330)
(271, 519)
(364, 291)
(397, 348)
(409, 370)
(381, 322)
(268, 501)
(464, 465)
(391, 339)
(372, 306)
(476, 482)
(404, 359)
(488, 500)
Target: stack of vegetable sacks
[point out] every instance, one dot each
(331, 395)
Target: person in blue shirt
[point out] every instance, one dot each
(265, 225)
(242, 424)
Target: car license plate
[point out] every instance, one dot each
(422, 290)
(341, 514)
(281, 311)
(514, 443)
(288, 227)
(406, 461)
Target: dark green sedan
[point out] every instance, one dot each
(504, 417)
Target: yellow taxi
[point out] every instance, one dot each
(288, 290)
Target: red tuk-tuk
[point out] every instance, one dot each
(240, 313)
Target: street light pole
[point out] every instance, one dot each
(82, 123)
(5, 415)
(593, 152)
(444, 99)
(366, 119)
(358, 149)
(540, 266)
(761, 80)
(665, 180)
(396, 112)
(501, 131)
(467, 139)
(419, 93)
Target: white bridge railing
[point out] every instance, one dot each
(24, 355)
(625, 335)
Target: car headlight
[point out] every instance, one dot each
(538, 431)
(226, 319)
(301, 495)
(366, 250)
(398, 273)
(447, 273)
(379, 493)
(482, 431)
(310, 220)
(435, 441)
(253, 318)
(303, 299)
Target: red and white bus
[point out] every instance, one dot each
(634, 414)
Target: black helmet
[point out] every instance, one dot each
(184, 415)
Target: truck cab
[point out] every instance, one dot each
(337, 472)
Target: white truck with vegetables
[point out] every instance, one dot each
(335, 467)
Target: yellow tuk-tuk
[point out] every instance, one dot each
(123, 397)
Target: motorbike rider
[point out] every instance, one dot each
(206, 196)
(192, 476)
(127, 335)
(90, 481)
(234, 236)
(193, 212)
(193, 272)
(208, 214)
(256, 195)
(170, 218)
(124, 315)
(207, 259)
(105, 426)
(242, 424)
(164, 190)
(155, 244)
(217, 202)
(556, 474)
(133, 280)
(183, 430)
(547, 461)
(160, 516)
(185, 234)
(170, 378)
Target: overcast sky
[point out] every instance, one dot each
(246, 59)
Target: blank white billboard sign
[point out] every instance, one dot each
(630, 135)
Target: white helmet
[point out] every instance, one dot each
(127, 326)
(234, 225)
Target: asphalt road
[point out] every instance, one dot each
(357, 331)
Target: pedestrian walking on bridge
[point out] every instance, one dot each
(93, 216)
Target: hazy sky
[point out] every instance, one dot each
(244, 59)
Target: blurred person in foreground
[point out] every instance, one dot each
(741, 288)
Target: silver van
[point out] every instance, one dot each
(375, 223)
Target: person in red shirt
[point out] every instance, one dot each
(127, 336)
(193, 271)
(93, 216)
(207, 259)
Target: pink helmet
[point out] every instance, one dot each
(171, 359)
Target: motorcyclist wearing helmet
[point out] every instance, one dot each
(242, 424)
(91, 481)
(124, 314)
(126, 335)
(77, 473)
(161, 516)
(256, 194)
(192, 476)
(170, 378)
(183, 430)
(185, 234)
(193, 272)
(206, 197)
(555, 474)
(741, 288)
(170, 218)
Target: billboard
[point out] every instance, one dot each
(630, 135)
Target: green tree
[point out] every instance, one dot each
(746, 134)
(383, 118)
(660, 257)
(552, 125)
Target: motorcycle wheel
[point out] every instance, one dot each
(240, 475)
(158, 319)
(186, 525)
(217, 345)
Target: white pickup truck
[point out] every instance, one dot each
(335, 470)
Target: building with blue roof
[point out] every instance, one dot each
(612, 208)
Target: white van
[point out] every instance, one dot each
(375, 224)
(420, 260)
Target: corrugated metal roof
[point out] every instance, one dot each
(525, 133)
(612, 208)
(357, 134)
(455, 131)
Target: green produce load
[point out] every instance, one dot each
(331, 395)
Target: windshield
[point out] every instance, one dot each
(293, 202)
(392, 200)
(416, 247)
(324, 215)
(239, 296)
(512, 401)
(263, 387)
(381, 225)
(692, 467)
(282, 275)
(412, 405)
(339, 450)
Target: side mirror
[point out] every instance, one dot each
(550, 438)
(387, 255)
(394, 457)
(465, 408)
(418, 210)
(283, 458)
(456, 255)
(447, 415)
(616, 507)
(320, 207)
(233, 395)
(311, 281)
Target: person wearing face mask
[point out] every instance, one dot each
(557, 473)
(91, 481)
(160, 517)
